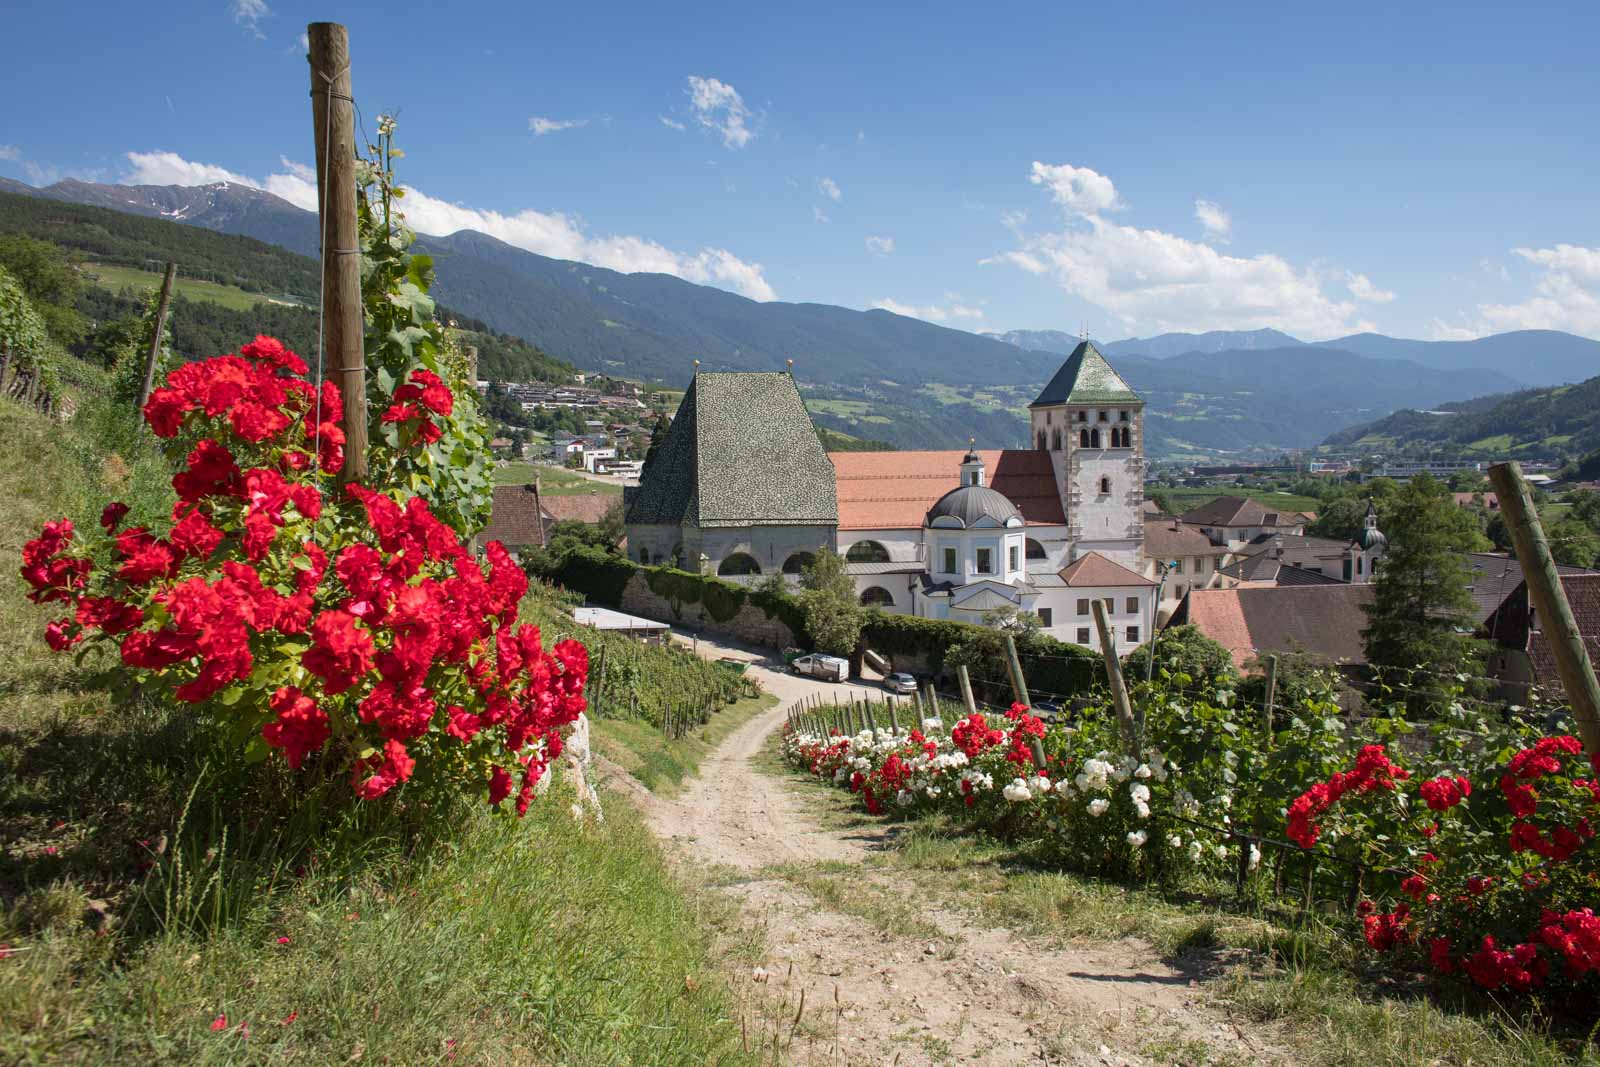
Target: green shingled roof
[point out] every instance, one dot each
(740, 452)
(1086, 378)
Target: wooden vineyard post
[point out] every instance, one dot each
(1549, 600)
(1038, 754)
(333, 123)
(1019, 684)
(894, 719)
(1119, 688)
(966, 689)
(154, 354)
(1272, 698)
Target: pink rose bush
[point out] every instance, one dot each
(348, 630)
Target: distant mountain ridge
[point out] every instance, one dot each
(1236, 391)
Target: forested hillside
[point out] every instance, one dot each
(1563, 421)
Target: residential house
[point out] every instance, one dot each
(1252, 621)
(1522, 658)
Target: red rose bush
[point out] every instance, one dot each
(344, 629)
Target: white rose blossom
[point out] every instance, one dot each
(1137, 838)
(1098, 806)
(1017, 791)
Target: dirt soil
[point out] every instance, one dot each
(976, 994)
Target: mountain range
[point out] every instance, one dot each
(1221, 392)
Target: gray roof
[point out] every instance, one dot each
(969, 503)
(887, 567)
(1086, 378)
(741, 452)
(1495, 577)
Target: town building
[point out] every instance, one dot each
(741, 487)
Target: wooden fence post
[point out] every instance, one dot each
(333, 124)
(1119, 688)
(1272, 697)
(1019, 684)
(155, 342)
(965, 680)
(1549, 600)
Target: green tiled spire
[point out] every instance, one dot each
(1086, 378)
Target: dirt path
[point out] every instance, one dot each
(974, 994)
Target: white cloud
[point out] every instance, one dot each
(305, 42)
(1566, 296)
(880, 246)
(10, 153)
(547, 233)
(1218, 223)
(818, 215)
(718, 106)
(1155, 281)
(829, 188)
(541, 125)
(248, 13)
(931, 312)
(671, 124)
(1077, 189)
(1362, 289)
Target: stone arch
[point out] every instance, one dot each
(876, 596)
(866, 552)
(1033, 549)
(798, 561)
(644, 555)
(1105, 486)
(1083, 438)
(1058, 440)
(739, 563)
(1042, 441)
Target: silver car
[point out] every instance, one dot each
(900, 683)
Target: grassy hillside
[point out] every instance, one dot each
(161, 903)
(1560, 421)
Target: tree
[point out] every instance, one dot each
(50, 281)
(1184, 650)
(1340, 519)
(1421, 614)
(1161, 499)
(833, 613)
(1573, 542)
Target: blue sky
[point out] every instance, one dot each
(1156, 167)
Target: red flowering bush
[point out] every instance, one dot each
(348, 630)
(1499, 883)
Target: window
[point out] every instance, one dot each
(1199, 564)
(1102, 417)
(1083, 438)
(1044, 618)
(1177, 566)
(1105, 486)
(985, 560)
(1034, 549)
(1083, 416)
(876, 596)
(1012, 562)
(1083, 635)
(1133, 634)
(644, 555)
(1058, 440)
(1083, 605)
(1047, 417)
(1123, 416)
(1133, 605)
(949, 561)
(972, 477)
(1358, 558)
(1042, 441)
(1094, 438)
(866, 552)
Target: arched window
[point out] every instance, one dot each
(798, 562)
(1094, 438)
(876, 596)
(1042, 441)
(866, 552)
(739, 563)
(1105, 486)
(1034, 549)
(1083, 438)
(644, 555)
(1058, 441)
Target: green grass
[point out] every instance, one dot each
(663, 765)
(1187, 498)
(146, 877)
(553, 481)
(117, 278)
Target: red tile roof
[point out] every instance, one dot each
(577, 507)
(1093, 569)
(894, 490)
(514, 518)
(1583, 595)
(1325, 620)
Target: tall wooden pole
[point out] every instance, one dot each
(1019, 684)
(965, 679)
(333, 121)
(1270, 704)
(1119, 689)
(155, 342)
(1549, 600)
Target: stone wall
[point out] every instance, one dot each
(750, 624)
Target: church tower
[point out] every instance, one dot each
(1092, 425)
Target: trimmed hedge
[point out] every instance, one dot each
(596, 573)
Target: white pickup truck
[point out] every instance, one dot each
(816, 665)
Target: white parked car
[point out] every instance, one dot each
(900, 683)
(828, 668)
